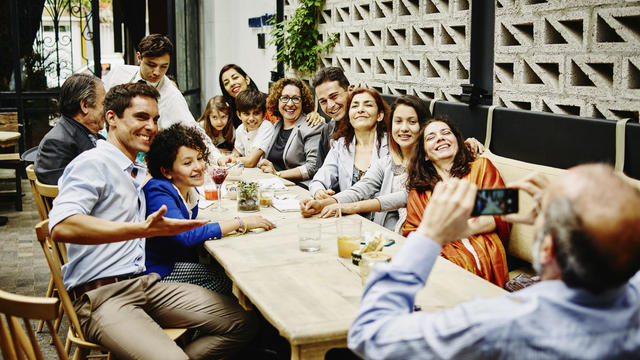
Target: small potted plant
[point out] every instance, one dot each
(248, 199)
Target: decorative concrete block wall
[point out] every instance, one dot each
(418, 47)
(578, 57)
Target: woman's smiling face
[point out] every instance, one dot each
(363, 112)
(292, 109)
(234, 82)
(405, 128)
(439, 142)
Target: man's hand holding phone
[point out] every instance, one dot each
(445, 217)
(535, 185)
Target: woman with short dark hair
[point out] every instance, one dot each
(177, 161)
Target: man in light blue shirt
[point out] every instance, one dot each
(100, 212)
(587, 252)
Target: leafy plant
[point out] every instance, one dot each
(248, 196)
(297, 38)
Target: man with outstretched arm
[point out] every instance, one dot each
(100, 212)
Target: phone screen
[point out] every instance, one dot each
(496, 202)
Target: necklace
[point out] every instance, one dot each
(398, 169)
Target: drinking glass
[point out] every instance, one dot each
(218, 174)
(309, 235)
(348, 229)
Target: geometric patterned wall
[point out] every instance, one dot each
(418, 47)
(578, 57)
(568, 57)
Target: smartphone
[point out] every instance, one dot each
(496, 202)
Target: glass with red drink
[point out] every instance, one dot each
(218, 174)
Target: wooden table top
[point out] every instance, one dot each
(314, 297)
(9, 138)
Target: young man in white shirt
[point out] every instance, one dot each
(154, 57)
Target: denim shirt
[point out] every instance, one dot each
(99, 183)
(548, 320)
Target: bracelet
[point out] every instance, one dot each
(242, 225)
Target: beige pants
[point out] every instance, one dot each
(127, 318)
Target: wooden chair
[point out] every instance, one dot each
(17, 342)
(75, 334)
(43, 204)
(47, 194)
(31, 175)
(9, 136)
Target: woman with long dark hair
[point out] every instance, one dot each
(444, 156)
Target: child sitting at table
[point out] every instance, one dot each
(177, 161)
(253, 136)
(215, 121)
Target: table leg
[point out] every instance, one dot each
(243, 300)
(315, 351)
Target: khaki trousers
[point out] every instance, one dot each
(127, 317)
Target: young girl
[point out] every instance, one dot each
(215, 120)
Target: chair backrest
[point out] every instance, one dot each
(47, 194)
(55, 262)
(17, 342)
(37, 198)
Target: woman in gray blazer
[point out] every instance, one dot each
(382, 189)
(293, 151)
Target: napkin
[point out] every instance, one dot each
(286, 204)
(271, 184)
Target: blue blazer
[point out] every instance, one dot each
(164, 251)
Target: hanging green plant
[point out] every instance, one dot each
(297, 38)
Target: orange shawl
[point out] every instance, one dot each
(488, 246)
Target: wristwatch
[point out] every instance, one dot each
(278, 173)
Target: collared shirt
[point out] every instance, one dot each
(172, 106)
(548, 320)
(259, 138)
(99, 183)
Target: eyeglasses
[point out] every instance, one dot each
(285, 99)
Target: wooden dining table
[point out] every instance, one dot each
(312, 298)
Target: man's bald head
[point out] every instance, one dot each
(593, 217)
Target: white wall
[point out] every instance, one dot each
(226, 38)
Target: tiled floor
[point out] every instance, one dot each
(23, 268)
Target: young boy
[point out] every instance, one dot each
(253, 136)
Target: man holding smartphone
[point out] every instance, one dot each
(587, 252)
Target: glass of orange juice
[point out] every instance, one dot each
(349, 235)
(210, 192)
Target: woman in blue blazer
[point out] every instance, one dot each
(177, 162)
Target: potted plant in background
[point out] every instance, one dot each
(297, 39)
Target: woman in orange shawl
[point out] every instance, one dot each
(442, 158)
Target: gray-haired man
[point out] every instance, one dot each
(81, 108)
